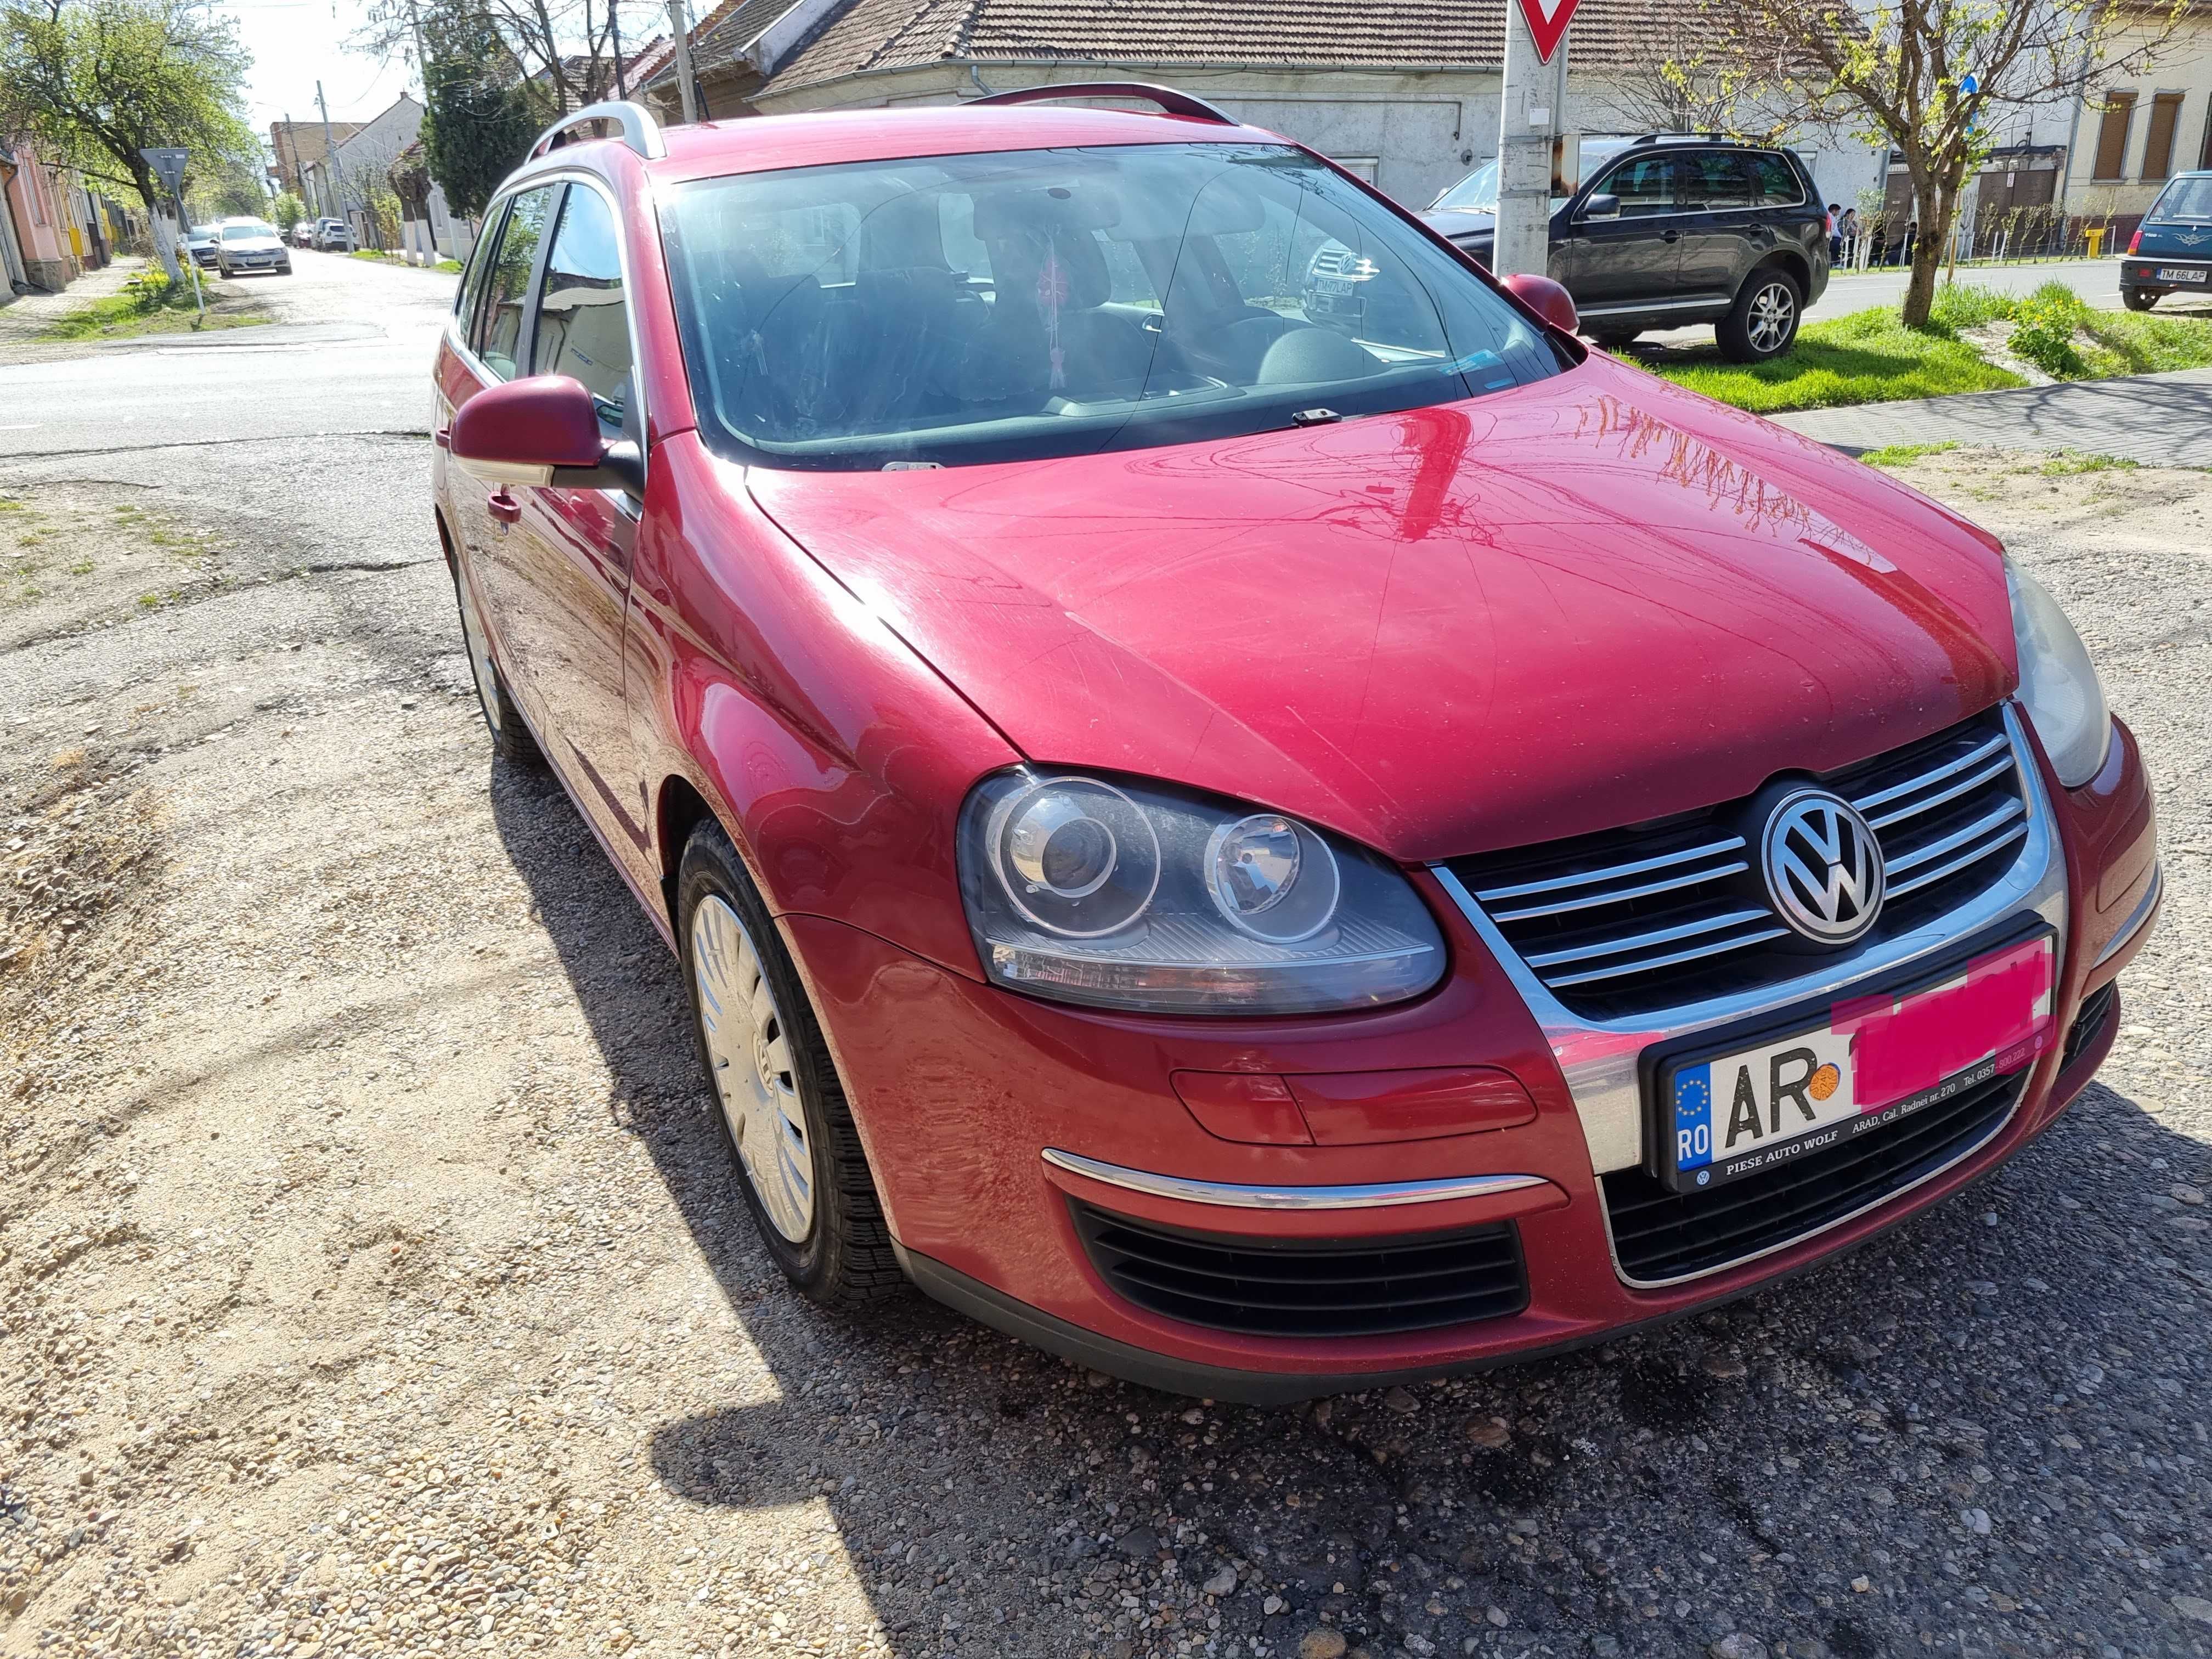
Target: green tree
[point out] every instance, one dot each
(1932, 78)
(287, 210)
(478, 124)
(95, 81)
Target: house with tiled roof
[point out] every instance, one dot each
(1405, 93)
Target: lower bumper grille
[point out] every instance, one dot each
(1347, 1287)
(1659, 1235)
(2089, 1023)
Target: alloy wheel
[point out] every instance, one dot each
(1772, 309)
(748, 1052)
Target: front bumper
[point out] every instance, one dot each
(964, 1092)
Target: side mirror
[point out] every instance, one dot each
(1540, 293)
(543, 430)
(1602, 206)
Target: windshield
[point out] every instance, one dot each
(1014, 304)
(2184, 198)
(1478, 192)
(245, 233)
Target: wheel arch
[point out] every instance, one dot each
(1792, 265)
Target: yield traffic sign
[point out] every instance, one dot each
(168, 167)
(1548, 21)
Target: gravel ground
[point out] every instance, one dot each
(372, 1281)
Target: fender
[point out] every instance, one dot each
(834, 756)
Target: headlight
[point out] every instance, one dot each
(2057, 682)
(1125, 896)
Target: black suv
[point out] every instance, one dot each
(1668, 231)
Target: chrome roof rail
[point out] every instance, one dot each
(1170, 101)
(639, 130)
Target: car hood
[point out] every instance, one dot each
(1574, 604)
(1455, 223)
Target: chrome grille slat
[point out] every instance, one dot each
(1935, 849)
(1882, 796)
(1972, 855)
(1621, 896)
(1965, 786)
(1646, 964)
(1614, 947)
(1618, 930)
(1611, 872)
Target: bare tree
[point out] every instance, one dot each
(1926, 76)
(562, 51)
(1698, 83)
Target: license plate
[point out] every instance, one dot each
(1877, 1059)
(1332, 284)
(2180, 274)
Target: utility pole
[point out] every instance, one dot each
(1531, 103)
(614, 33)
(330, 155)
(679, 20)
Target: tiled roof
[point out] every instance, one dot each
(727, 30)
(880, 34)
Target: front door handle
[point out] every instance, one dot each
(443, 437)
(502, 506)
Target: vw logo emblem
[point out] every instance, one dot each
(1822, 866)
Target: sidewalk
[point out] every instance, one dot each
(2159, 419)
(30, 315)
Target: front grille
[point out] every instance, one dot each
(1627, 922)
(1659, 1235)
(1349, 1287)
(2089, 1022)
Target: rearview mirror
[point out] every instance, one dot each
(1547, 298)
(1602, 206)
(543, 430)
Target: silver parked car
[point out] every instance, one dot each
(244, 244)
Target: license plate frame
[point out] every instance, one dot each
(1812, 1028)
(2179, 273)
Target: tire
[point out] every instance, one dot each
(1763, 322)
(781, 1111)
(2136, 300)
(510, 737)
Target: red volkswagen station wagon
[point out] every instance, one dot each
(1264, 853)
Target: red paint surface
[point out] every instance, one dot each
(1246, 1106)
(1357, 1109)
(1579, 604)
(1900, 1048)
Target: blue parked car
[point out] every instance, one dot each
(2171, 252)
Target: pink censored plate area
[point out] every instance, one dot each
(1878, 1059)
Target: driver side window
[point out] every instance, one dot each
(1645, 185)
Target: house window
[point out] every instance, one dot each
(2112, 134)
(2158, 148)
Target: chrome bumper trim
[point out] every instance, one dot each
(1384, 1196)
(1600, 1059)
(2136, 917)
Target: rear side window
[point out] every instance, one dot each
(583, 319)
(1714, 180)
(499, 329)
(1644, 185)
(1774, 182)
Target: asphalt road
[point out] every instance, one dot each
(480, 1352)
(2097, 280)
